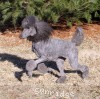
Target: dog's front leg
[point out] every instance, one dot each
(60, 65)
(32, 64)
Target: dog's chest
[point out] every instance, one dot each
(39, 48)
(35, 49)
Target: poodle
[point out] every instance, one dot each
(48, 48)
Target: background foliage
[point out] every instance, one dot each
(13, 11)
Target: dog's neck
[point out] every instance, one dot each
(36, 39)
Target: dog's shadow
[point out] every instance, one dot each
(21, 63)
(53, 65)
(17, 61)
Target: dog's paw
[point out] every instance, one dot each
(42, 68)
(30, 65)
(61, 79)
(85, 73)
(29, 73)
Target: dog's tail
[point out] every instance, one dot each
(78, 36)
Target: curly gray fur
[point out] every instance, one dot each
(51, 49)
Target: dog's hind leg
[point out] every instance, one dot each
(73, 60)
(60, 65)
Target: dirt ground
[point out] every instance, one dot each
(14, 53)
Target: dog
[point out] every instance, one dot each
(52, 49)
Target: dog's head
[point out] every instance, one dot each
(35, 30)
(28, 25)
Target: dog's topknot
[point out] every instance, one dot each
(28, 21)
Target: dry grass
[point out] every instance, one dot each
(14, 55)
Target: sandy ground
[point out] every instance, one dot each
(14, 53)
